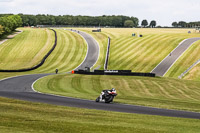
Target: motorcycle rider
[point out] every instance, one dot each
(102, 95)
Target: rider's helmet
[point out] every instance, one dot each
(113, 89)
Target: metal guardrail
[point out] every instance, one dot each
(193, 65)
(107, 55)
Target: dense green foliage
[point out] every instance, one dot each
(1, 30)
(128, 23)
(184, 24)
(9, 23)
(116, 21)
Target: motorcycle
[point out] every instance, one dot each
(107, 96)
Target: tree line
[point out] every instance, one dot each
(41, 19)
(183, 24)
(9, 23)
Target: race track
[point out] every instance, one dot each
(21, 88)
(92, 52)
(166, 64)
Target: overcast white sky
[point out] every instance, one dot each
(163, 11)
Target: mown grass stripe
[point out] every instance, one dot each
(147, 56)
(131, 55)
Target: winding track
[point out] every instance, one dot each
(166, 64)
(21, 88)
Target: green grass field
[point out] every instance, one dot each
(193, 74)
(139, 54)
(20, 117)
(69, 53)
(156, 92)
(127, 52)
(26, 49)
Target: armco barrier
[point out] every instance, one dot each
(38, 65)
(115, 72)
(107, 55)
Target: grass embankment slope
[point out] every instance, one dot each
(185, 61)
(20, 116)
(156, 92)
(28, 48)
(194, 73)
(144, 53)
(69, 53)
(25, 50)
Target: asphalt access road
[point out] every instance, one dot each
(92, 53)
(21, 88)
(165, 65)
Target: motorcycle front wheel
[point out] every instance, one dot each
(109, 99)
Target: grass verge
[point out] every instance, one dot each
(20, 117)
(156, 92)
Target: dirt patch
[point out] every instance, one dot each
(10, 36)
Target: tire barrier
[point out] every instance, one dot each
(38, 65)
(107, 55)
(114, 72)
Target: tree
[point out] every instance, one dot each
(144, 23)
(1, 30)
(128, 23)
(135, 21)
(10, 23)
(182, 24)
(153, 24)
(175, 24)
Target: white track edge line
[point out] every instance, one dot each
(179, 57)
(88, 48)
(170, 52)
(32, 87)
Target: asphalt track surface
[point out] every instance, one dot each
(166, 64)
(92, 52)
(21, 88)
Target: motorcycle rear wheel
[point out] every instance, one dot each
(98, 99)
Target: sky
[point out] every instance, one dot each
(163, 11)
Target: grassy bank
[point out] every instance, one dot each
(156, 92)
(140, 54)
(26, 49)
(69, 53)
(194, 73)
(185, 61)
(20, 117)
